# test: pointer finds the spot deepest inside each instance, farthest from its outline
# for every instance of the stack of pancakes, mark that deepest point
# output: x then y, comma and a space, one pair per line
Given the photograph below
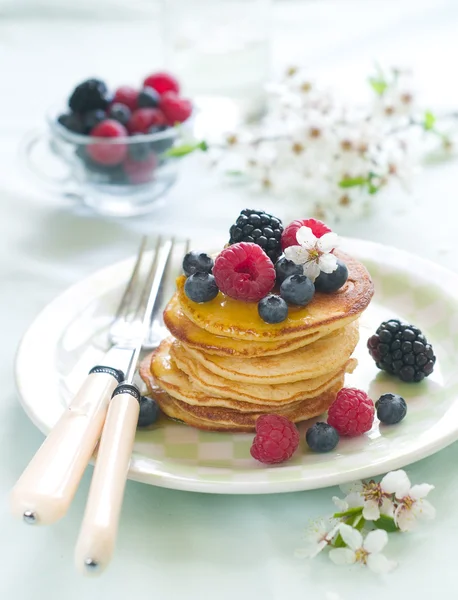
224, 366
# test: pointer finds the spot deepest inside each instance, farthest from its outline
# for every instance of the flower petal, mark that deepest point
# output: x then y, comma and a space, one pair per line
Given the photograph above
375, 541
420, 491
354, 486
354, 500
328, 242
310, 550
297, 254
404, 519
351, 536
424, 510
387, 507
341, 504
371, 511
378, 563
342, 556
311, 270
327, 263
306, 237
396, 482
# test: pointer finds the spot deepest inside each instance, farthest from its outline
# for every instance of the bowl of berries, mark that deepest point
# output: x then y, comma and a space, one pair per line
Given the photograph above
119, 148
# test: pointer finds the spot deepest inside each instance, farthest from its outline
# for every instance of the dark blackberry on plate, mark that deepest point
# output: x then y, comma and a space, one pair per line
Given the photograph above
261, 228
89, 95
402, 350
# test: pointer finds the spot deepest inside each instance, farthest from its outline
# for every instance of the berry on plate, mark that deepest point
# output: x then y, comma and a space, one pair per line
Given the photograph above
297, 289
148, 98
272, 309
402, 350
244, 271
149, 412
289, 235
331, 282
162, 82
72, 122
108, 154
126, 95
352, 412
92, 118
201, 287
175, 108
285, 268
391, 409
120, 112
321, 437
195, 262
140, 171
276, 439
89, 95
258, 227
143, 119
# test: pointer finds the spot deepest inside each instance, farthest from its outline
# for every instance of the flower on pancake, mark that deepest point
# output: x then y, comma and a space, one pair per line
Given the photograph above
366, 551
314, 254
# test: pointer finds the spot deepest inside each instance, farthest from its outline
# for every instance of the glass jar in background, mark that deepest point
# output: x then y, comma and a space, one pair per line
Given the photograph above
220, 50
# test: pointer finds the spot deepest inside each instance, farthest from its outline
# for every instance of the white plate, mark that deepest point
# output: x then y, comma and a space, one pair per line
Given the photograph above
61, 345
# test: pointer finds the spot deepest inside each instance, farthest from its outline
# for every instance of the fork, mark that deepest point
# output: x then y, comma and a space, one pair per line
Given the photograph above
45, 490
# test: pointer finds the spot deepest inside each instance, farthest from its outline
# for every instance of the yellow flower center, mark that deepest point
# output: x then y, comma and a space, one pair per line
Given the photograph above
361, 555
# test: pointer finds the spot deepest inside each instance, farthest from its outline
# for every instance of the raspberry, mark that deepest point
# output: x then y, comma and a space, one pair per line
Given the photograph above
162, 83
276, 439
143, 119
126, 95
352, 412
289, 235
140, 171
244, 271
108, 154
175, 109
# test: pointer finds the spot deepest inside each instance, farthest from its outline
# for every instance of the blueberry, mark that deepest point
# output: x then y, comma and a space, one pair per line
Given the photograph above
72, 122
195, 262
285, 268
331, 282
321, 437
93, 118
201, 287
120, 112
297, 289
391, 408
138, 151
149, 412
148, 98
272, 309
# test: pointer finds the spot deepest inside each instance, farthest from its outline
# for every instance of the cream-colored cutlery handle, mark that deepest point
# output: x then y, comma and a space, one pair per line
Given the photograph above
97, 536
46, 488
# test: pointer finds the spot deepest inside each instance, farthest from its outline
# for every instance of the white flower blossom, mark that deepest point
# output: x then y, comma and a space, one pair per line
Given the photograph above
314, 254
318, 536
412, 505
366, 551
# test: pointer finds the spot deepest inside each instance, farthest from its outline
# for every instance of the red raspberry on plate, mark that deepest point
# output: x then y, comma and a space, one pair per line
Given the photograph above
352, 412
288, 237
162, 82
276, 439
244, 271
126, 95
108, 154
140, 171
143, 119
175, 109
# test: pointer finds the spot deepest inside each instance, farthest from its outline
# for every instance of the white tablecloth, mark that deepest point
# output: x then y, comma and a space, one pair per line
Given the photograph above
181, 545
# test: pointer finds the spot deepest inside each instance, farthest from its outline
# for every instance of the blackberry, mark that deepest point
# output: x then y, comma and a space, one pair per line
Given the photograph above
402, 350
89, 95
260, 228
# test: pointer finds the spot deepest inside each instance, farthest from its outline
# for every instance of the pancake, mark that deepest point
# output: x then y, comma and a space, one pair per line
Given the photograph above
195, 337
324, 356
226, 317
226, 419
208, 383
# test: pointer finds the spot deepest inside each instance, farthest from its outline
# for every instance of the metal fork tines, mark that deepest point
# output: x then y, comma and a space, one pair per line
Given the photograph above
127, 323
